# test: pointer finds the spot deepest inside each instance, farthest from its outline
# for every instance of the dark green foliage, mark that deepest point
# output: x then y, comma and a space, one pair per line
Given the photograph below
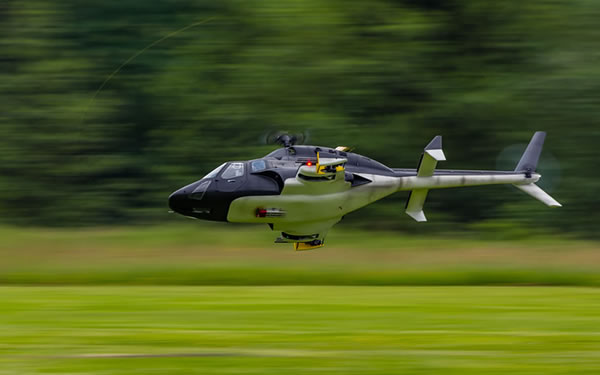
381, 76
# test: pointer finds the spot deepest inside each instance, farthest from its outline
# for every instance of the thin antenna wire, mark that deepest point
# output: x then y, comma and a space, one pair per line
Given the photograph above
136, 55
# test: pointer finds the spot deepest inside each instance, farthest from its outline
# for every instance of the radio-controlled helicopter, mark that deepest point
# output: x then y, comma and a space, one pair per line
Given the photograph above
302, 191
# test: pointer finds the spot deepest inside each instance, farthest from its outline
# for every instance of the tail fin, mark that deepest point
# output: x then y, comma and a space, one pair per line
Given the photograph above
528, 165
429, 159
529, 160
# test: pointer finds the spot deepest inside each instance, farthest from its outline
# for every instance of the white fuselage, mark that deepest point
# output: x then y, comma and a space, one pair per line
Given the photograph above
326, 204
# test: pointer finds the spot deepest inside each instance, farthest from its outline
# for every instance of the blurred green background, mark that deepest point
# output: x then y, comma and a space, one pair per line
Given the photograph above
381, 76
97, 278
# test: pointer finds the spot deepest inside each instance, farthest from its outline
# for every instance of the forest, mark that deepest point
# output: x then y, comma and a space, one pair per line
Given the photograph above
108, 107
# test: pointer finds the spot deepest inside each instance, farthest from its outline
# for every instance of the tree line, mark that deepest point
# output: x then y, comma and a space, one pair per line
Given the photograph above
381, 76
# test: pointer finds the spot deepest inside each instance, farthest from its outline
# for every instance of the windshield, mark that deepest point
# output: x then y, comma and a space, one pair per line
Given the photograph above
199, 191
215, 171
233, 170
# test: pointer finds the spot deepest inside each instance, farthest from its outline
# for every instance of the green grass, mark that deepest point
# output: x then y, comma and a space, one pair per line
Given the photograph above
221, 254
298, 330
146, 301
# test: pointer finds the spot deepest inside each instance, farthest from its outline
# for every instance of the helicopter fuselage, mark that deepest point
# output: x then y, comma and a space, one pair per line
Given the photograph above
289, 190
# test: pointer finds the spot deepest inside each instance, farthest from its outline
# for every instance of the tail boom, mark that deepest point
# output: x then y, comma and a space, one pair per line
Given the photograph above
523, 177
450, 181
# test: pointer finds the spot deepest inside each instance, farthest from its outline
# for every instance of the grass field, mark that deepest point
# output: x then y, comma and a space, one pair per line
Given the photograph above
218, 299
213, 254
299, 329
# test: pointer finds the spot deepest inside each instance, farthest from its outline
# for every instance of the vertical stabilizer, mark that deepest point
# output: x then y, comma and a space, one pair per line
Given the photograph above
528, 165
529, 160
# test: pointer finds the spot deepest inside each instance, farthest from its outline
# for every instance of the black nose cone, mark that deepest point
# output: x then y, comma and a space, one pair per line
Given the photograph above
191, 200
201, 200
177, 201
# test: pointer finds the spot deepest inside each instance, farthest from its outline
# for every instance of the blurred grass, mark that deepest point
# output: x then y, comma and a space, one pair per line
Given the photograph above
292, 329
217, 254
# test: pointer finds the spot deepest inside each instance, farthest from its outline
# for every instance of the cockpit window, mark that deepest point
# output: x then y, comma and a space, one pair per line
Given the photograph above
234, 170
258, 165
215, 171
199, 191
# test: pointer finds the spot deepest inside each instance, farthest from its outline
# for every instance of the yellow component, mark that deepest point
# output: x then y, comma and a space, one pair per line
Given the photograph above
302, 246
319, 168
343, 148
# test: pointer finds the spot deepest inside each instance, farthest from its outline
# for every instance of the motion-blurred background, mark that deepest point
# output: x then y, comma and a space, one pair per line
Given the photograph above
381, 76
106, 107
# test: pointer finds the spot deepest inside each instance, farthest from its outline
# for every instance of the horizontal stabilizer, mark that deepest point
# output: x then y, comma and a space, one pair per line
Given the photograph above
536, 192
